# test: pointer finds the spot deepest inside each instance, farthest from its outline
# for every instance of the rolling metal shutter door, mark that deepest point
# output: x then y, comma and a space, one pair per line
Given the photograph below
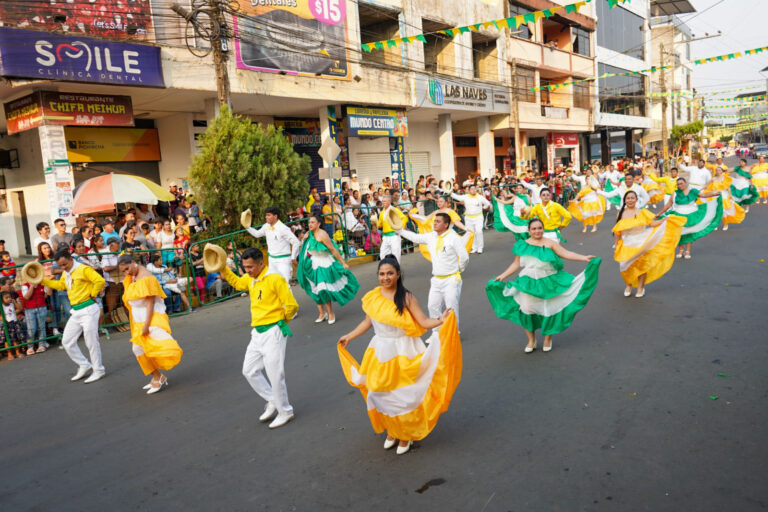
417, 164
372, 168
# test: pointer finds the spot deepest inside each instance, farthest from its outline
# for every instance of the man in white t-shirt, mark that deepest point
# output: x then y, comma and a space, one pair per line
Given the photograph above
44, 235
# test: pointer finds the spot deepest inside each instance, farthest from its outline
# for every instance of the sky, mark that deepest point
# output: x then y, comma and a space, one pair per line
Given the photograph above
744, 25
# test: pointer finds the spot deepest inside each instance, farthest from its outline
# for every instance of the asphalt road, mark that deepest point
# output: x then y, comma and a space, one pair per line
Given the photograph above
618, 416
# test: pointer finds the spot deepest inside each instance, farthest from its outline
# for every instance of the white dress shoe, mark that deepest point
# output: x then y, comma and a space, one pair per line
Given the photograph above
81, 372
331, 322
389, 443
479, 251
281, 420
528, 350
401, 450
640, 294
269, 411
546, 349
152, 389
321, 319
94, 377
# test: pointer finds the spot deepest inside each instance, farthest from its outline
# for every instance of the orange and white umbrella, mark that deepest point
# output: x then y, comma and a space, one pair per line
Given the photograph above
103, 192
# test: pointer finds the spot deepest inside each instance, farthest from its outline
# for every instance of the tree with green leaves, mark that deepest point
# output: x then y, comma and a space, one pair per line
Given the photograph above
681, 132
243, 165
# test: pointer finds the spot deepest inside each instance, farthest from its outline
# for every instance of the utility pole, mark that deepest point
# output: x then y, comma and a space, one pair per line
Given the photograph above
220, 56
664, 100
216, 34
516, 114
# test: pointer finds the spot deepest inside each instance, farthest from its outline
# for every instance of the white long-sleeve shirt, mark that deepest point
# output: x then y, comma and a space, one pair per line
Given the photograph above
535, 190
280, 239
474, 205
699, 178
642, 195
452, 256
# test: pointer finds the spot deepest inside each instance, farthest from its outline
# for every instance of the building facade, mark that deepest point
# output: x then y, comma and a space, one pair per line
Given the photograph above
90, 91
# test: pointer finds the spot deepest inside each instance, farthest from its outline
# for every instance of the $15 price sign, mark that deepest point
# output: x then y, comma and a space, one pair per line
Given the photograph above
330, 12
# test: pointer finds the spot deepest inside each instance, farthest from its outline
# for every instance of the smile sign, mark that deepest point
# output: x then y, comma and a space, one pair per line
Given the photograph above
48, 56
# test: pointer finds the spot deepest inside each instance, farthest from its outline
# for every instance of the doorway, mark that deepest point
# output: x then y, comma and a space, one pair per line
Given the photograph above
465, 166
21, 207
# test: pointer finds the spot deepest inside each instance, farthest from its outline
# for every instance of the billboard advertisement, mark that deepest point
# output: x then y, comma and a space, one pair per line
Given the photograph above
67, 109
112, 145
48, 56
294, 37
376, 122
114, 19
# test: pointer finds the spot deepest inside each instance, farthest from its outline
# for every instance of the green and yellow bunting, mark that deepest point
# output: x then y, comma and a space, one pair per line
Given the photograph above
553, 87
735, 116
512, 22
731, 56
675, 94
741, 89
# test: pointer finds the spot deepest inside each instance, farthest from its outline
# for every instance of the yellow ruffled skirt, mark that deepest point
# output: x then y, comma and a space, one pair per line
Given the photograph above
650, 252
588, 207
407, 392
161, 351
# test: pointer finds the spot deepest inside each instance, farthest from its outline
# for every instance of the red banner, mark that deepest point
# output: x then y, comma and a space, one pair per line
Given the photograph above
68, 109
562, 140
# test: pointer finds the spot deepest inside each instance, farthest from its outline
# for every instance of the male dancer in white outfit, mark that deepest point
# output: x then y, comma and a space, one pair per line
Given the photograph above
629, 184
535, 189
449, 259
614, 177
282, 245
390, 242
82, 284
699, 176
474, 205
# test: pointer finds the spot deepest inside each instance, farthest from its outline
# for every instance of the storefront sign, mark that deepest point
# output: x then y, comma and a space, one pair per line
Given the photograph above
563, 140
301, 132
112, 144
452, 94
376, 122
23, 114
333, 128
397, 159
114, 19
49, 56
274, 37
67, 109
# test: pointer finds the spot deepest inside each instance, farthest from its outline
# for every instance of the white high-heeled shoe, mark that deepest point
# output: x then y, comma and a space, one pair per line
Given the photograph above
528, 350
401, 450
163, 383
331, 322
546, 349
640, 293
321, 319
389, 443
627, 293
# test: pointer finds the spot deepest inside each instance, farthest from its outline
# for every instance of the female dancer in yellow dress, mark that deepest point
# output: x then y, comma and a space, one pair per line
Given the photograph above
588, 207
153, 345
655, 191
406, 385
645, 245
760, 179
732, 212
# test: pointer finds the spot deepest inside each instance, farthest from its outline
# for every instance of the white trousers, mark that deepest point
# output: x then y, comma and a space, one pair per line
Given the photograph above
444, 294
281, 266
390, 245
475, 225
86, 322
266, 354
179, 286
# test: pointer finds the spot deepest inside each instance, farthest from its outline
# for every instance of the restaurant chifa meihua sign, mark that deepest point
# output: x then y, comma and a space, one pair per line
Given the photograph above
49, 107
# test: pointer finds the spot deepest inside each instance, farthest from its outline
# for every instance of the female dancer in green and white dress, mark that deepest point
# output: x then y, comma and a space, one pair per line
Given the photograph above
702, 218
543, 296
322, 272
509, 213
742, 189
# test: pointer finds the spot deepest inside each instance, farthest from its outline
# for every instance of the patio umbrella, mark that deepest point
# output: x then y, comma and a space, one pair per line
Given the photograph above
101, 193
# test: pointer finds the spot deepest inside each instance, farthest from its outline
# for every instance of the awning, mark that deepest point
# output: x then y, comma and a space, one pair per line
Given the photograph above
671, 7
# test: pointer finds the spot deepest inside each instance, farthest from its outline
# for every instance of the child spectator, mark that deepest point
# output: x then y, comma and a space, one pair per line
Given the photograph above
35, 314
181, 241
7, 264
16, 334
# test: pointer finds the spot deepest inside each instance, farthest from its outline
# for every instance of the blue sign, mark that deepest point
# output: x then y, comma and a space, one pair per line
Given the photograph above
74, 58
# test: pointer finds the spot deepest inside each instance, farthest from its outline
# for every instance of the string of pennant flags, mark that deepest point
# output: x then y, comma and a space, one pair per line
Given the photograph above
735, 105
675, 94
513, 22
731, 56
735, 116
715, 93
